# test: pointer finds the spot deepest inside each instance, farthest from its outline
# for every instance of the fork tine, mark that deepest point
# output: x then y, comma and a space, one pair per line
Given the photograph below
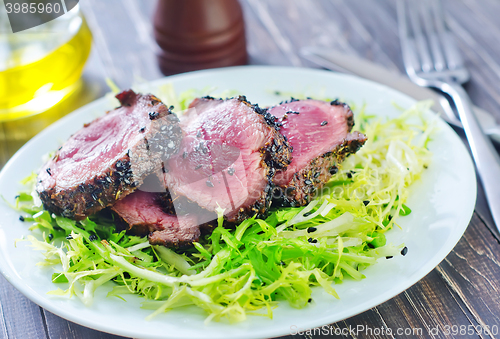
453, 57
420, 41
430, 31
410, 57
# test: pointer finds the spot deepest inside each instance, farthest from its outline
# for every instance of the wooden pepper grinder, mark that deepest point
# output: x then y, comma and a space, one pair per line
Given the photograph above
199, 34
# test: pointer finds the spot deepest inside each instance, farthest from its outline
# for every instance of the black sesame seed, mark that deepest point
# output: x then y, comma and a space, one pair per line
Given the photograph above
311, 229
389, 257
389, 217
307, 214
333, 170
142, 129
171, 108
230, 171
366, 202
92, 237
153, 115
21, 218
209, 183
48, 171
69, 237
309, 300
317, 174
282, 263
51, 236
323, 123
404, 250
307, 182
349, 175
17, 196
370, 245
293, 112
335, 102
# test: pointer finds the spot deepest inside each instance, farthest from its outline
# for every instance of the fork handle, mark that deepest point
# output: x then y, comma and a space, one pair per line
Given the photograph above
485, 155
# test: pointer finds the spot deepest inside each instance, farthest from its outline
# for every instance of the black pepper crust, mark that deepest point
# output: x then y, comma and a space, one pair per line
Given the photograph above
126, 174
336, 102
305, 184
276, 155
90, 197
349, 116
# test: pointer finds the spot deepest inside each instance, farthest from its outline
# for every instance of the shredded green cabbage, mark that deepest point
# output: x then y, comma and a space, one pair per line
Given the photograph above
247, 270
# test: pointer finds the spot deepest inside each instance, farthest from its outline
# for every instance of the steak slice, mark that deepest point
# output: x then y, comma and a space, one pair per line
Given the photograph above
143, 214
318, 131
228, 157
109, 157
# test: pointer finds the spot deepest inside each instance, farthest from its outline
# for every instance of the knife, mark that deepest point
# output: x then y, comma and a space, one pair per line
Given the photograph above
350, 64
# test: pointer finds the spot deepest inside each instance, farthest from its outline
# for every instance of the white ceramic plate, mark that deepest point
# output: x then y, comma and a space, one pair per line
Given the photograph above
442, 203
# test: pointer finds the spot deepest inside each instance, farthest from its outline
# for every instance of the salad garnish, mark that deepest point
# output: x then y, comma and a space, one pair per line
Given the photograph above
250, 269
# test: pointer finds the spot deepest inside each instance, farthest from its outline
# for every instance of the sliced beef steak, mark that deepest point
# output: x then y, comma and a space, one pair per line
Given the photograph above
109, 157
143, 214
228, 157
318, 131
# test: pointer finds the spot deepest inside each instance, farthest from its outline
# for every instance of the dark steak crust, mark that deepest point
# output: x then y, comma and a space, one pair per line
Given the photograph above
304, 185
109, 158
319, 133
228, 157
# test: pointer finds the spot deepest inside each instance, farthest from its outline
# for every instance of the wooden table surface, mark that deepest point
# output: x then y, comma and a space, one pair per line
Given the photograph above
464, 289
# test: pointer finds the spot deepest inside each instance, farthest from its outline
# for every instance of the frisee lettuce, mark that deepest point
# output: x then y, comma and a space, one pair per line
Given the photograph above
233, 273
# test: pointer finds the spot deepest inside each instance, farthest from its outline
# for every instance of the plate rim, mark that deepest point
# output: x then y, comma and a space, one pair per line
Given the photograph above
429, 266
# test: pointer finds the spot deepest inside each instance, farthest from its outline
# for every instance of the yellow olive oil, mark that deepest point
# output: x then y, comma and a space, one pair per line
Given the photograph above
28, 89
39, 85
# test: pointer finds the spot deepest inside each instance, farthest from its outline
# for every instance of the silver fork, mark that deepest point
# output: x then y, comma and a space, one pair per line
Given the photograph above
432, 59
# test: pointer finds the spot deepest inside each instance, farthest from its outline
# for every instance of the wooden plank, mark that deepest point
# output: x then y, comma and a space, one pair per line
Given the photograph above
60, 328
19, 317
464, 288
376, 28
261, 48
126, 50
261, 8
478, 30
472, 270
